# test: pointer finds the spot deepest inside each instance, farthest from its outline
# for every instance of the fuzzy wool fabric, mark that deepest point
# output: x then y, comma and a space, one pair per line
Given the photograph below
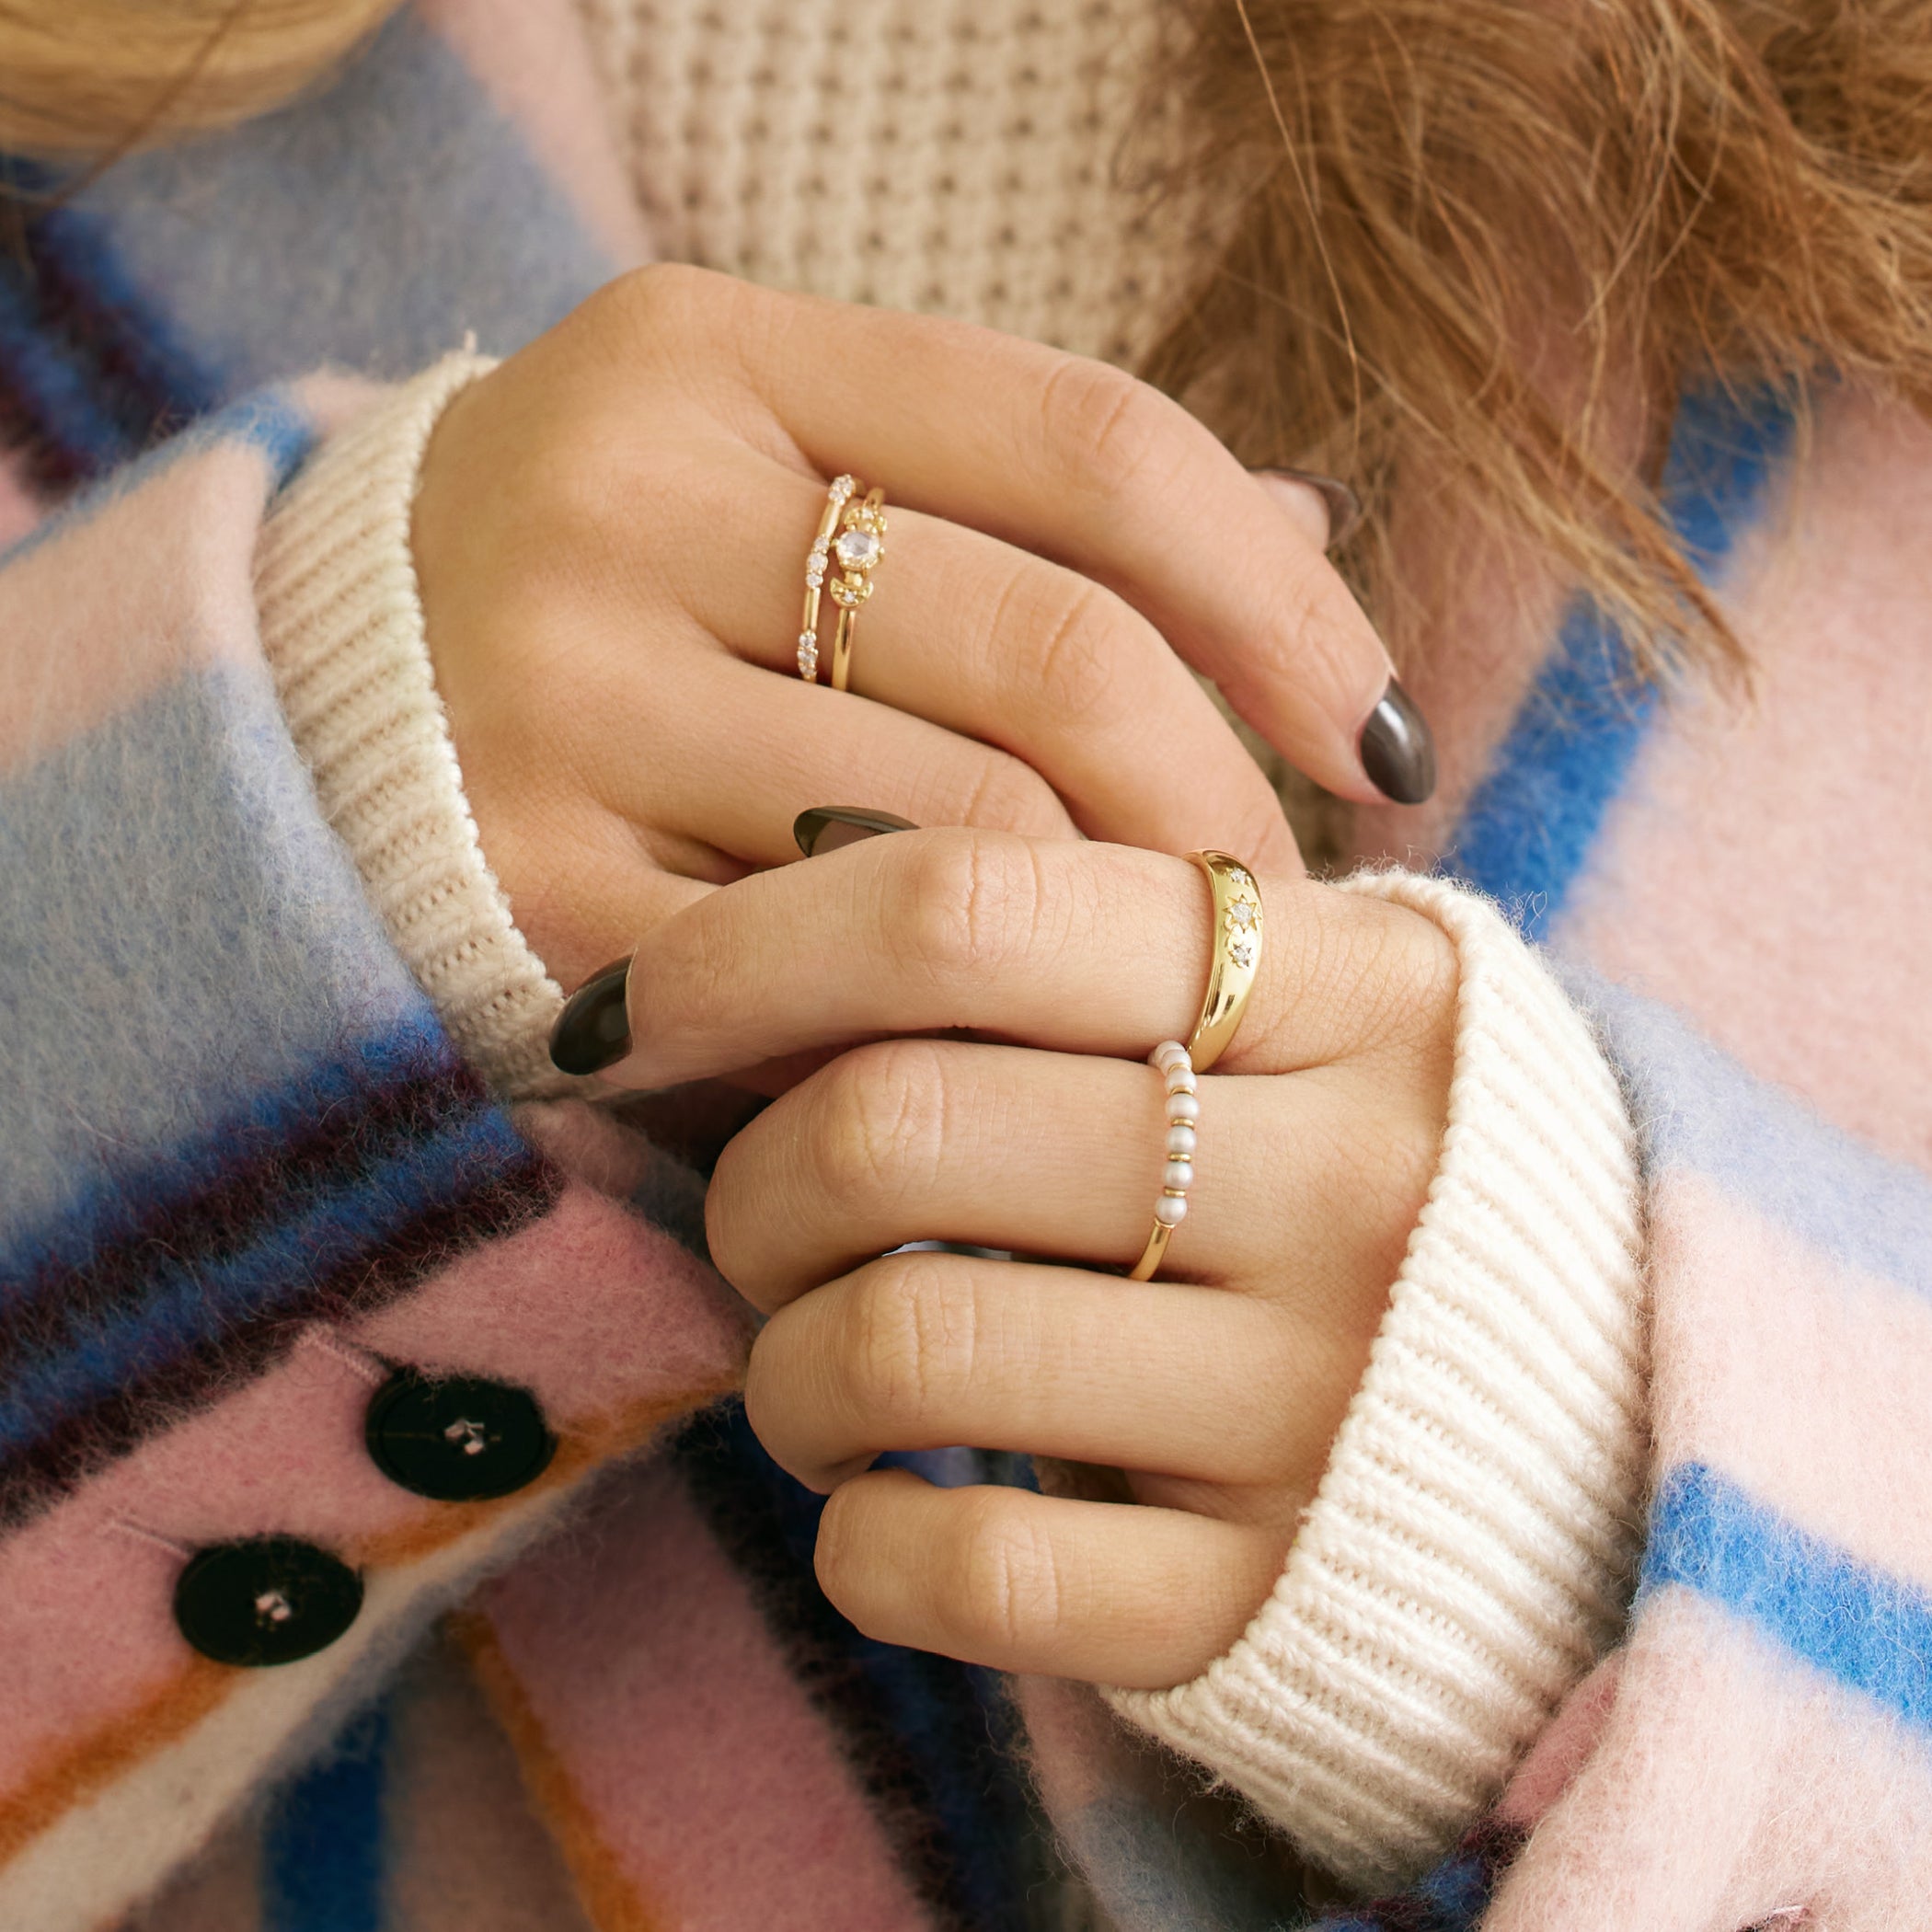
252, 1165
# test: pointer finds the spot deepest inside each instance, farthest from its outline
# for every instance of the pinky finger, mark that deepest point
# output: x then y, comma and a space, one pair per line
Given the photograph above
1114, 1593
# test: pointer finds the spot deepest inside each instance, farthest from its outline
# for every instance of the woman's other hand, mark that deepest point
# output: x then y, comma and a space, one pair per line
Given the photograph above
611, 535
1217, 1389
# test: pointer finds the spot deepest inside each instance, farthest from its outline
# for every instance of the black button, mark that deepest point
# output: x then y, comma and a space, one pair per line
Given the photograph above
461, 1440
268, 1600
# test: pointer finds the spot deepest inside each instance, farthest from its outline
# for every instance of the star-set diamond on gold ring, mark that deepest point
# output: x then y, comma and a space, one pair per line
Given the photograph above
1232, 966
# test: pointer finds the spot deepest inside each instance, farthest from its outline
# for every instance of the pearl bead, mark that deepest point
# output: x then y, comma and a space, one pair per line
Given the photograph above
1170, 1210
1178, 1174
1181, 1143
1169, 1052
1183, 1107
1180, 1080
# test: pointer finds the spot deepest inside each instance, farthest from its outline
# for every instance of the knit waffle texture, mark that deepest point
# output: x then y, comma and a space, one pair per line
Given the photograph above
1471, 1547
974, 158
342, 624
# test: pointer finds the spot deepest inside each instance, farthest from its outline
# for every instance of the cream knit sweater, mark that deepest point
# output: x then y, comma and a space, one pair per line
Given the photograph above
960, 158
1469, 1549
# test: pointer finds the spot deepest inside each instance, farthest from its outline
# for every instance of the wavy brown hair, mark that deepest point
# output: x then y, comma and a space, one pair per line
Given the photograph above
92, 78
1474, 250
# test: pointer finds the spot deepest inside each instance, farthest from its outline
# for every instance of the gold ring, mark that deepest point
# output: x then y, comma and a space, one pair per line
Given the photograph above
857, 550
1236, 957
817, 560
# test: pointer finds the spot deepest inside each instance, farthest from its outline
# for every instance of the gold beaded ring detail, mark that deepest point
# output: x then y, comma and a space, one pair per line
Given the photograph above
857, 550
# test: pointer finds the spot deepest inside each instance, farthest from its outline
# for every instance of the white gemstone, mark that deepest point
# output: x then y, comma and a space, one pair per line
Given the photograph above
1178, 1174
1171, 1210
1242, 912
857, 549
1181, 1143
1183, 1107
1242, 952
1238, 877
842, 488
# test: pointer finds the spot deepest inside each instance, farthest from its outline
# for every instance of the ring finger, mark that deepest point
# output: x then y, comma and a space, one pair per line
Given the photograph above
1062, 1154
992, 642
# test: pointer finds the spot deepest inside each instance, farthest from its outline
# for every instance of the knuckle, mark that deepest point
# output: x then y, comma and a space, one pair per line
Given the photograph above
1073, 670
1405, 973
1006, 1585
882, 1126
972, 908
1007, 795
1102, 426
913, 1339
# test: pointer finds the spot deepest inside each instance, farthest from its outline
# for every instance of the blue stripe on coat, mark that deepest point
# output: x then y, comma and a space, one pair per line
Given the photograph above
1528, 829
1698, 1109
1870, 1631
183, 1307
53, 383
269, 420
322, 1848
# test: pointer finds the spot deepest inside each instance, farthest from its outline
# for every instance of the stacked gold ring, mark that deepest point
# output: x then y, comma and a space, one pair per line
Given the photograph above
847, 548
1232, 966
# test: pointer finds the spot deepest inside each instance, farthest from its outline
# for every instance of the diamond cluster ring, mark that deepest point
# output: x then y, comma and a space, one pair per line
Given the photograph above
847, 548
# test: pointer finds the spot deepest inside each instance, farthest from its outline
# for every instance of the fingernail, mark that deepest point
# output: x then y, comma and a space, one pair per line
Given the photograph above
1398, 749
829, 828
1341, 504
594, 1029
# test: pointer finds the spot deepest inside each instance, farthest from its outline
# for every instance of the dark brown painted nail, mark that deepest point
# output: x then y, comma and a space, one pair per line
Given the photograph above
594, 1029
829, 828
1398, 749
1344, 507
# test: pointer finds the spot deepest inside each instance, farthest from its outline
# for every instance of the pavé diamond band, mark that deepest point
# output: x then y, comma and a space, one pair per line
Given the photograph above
845, 549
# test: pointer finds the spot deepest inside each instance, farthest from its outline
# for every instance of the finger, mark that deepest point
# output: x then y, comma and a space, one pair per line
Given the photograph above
1083, 948
1104, 1592
746, 752
619, 885
1076, 461
921, 1351
997, 645
1303, 1189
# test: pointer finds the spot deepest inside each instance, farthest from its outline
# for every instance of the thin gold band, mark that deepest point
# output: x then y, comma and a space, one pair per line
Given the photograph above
1232, 967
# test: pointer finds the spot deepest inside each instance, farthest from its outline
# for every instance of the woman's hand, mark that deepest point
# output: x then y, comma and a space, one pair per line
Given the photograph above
611, 535
1217, 1389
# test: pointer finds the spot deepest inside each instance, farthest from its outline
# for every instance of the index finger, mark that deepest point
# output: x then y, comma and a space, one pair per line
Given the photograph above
1080, 947
1075, 460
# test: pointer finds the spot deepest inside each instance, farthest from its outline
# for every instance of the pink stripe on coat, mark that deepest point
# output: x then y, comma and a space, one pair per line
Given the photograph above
712, 1782
1725, 886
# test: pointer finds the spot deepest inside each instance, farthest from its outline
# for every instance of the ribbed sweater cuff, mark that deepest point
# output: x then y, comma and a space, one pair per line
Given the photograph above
342, 624
1470, 1548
